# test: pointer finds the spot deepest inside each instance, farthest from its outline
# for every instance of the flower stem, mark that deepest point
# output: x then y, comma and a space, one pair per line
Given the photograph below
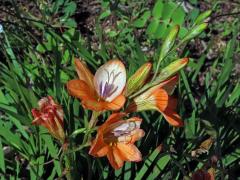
93, 120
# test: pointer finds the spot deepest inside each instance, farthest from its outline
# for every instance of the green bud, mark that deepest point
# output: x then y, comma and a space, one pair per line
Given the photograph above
195, 31
169, 42
203, 16
138, 79
171, 70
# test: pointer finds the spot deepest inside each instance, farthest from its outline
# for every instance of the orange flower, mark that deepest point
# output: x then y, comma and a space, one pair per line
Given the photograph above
157, 98
102, 91
203, 175
50, 115
115, 139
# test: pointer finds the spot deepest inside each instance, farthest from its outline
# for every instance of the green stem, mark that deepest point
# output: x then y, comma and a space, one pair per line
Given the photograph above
93, 120
79, 148
68, 166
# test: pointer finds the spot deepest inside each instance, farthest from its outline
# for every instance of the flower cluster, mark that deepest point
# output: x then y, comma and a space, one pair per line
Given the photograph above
109, 89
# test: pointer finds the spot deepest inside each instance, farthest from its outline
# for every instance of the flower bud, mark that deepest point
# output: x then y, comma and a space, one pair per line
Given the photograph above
50, 115
171, 70
195, 31
138, 79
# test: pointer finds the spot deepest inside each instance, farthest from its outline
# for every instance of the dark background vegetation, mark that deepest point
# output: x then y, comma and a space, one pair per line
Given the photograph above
38, 45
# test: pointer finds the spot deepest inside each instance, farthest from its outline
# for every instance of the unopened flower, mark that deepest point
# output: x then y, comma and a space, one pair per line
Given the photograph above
203, 174
138, 79
104, 90
115, 139
157, 98
50, 115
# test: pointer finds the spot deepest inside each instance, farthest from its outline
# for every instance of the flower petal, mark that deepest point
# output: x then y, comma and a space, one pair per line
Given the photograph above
136, 135
170, 84
116, 104
115, 158
170, 114
113, 119
98, 147
129, 152
84, 73
79, 89
93, 104
110, 80
172, 117
153, 99
120, 127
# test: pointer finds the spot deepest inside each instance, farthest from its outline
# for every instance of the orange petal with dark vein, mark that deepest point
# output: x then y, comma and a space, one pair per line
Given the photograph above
161, 99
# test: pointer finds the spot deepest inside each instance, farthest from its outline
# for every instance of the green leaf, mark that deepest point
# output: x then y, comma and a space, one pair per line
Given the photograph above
178, 16
140, 22
231, 157
40, 48
228, 65
158, 9
53, 150
70, 8
71, 23
105, 14
147, 163
2, 160
78, 131
13, 139
160, 166
161, 30
152, 27
168, 9
16, 115
190, 126
235, 95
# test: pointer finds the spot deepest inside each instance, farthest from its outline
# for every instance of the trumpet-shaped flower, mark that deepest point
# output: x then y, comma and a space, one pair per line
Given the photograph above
157, 98
115, 139
104, 90
50, 115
